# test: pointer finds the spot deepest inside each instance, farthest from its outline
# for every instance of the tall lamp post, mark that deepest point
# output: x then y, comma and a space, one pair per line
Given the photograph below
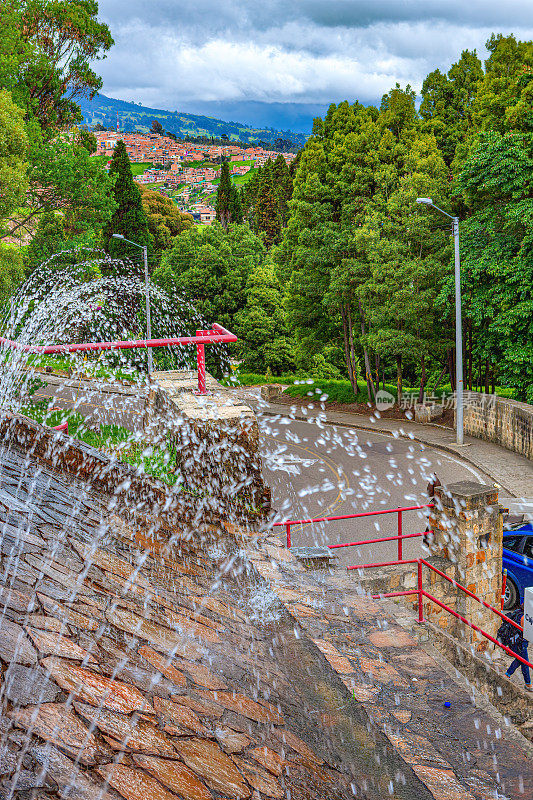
147, 291
427, 201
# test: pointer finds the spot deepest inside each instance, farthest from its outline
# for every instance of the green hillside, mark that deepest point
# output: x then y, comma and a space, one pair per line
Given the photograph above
104, 110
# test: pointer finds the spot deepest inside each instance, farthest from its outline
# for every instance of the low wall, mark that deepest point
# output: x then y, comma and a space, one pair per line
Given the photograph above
216, 440
497, 419
142, 495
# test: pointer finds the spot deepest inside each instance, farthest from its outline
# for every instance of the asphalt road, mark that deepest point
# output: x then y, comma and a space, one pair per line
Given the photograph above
318, 470
97, 407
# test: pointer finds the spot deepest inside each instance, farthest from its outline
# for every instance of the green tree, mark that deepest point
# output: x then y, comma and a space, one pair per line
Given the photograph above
235, 205
62, 176
283, 183
56, 42
497, 259
359, 266
88, 140
223, 201
261, 325
50, 238
267, 217
13, 159
165, 221
129, 218
210, 267
11, 270
509, 62
447, 102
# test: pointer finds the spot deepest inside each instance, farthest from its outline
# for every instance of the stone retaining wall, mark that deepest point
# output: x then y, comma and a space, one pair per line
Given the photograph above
216, 439
497, 419
144, 496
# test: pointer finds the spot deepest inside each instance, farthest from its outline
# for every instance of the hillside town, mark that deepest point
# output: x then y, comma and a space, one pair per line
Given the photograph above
173, 166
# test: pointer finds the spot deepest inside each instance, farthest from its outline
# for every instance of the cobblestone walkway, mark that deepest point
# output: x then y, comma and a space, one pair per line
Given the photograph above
136, 669
458, 752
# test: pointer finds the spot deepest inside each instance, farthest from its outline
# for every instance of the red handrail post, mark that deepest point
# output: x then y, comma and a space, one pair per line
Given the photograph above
288, 527
504, 584
400, 544
200, 359
420, 596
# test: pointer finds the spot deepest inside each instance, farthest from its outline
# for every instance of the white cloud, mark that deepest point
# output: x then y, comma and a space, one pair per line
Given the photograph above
169, 53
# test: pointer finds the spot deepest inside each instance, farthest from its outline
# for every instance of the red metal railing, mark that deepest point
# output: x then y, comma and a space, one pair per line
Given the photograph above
216, 334
400, 536
421, 593
420, 562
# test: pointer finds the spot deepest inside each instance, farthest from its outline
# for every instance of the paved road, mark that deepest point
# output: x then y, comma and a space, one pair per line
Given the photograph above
98, 407
327, 471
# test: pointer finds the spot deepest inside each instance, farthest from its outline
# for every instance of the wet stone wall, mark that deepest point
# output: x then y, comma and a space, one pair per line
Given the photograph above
216, 440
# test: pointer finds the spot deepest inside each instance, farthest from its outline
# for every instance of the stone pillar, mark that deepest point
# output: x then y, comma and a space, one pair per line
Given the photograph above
467, 546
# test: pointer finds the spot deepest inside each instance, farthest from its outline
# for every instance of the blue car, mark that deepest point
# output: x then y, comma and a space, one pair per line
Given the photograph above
518, 561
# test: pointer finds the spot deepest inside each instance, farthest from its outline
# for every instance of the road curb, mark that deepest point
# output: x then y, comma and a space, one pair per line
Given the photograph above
413, 438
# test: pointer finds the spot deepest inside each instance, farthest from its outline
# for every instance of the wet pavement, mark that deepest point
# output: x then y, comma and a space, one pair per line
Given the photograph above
136, 669
459, 750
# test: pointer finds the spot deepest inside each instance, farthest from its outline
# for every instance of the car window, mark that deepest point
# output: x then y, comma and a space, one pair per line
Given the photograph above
528, 549
513, 543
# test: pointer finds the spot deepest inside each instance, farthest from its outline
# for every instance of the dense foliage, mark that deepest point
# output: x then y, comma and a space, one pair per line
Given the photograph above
328, 268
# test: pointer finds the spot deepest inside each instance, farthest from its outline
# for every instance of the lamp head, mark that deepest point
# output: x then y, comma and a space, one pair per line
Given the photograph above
426, 201
118, 236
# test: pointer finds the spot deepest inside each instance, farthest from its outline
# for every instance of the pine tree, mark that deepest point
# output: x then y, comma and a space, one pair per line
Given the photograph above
129, 218
223, 202
447, 102
268, 218
283, 183
235, 205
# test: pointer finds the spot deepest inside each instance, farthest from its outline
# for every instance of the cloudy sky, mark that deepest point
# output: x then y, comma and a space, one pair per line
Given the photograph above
281, 62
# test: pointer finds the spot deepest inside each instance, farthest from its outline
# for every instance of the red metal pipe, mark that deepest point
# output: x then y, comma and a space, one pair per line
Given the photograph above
208, 338
352, 516
200, 360
384, 564
288, 526
371, 541
400, 548
420, 601
217, 334
394, 594
504, 584
476, 628
471, 594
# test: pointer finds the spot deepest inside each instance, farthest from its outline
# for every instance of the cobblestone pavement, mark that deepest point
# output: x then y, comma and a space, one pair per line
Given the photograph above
158, 669
459, 751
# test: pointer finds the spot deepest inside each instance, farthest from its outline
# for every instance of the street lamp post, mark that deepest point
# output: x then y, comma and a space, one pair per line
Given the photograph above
147, 292
427, 201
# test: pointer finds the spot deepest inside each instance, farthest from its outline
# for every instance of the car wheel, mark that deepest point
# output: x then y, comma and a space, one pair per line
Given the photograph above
511, 596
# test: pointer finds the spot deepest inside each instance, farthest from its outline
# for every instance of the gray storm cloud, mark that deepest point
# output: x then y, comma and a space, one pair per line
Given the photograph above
178, 53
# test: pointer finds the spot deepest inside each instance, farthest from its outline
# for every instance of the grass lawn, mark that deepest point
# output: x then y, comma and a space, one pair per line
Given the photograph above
93, 367
339, 391
158, 461
139, 168
238, 180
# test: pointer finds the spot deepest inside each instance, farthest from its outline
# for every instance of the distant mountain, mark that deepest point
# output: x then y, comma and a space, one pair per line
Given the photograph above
133, 116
